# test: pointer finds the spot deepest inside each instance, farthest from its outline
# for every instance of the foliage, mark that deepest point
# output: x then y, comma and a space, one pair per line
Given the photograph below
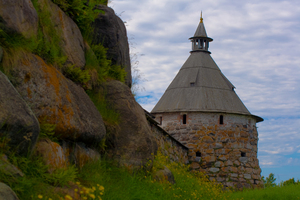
83, 12
47, 130
110, 115
290, 181
48, 39
103, 66
137, 76
269, 181
77, 75
270, 193
14, 47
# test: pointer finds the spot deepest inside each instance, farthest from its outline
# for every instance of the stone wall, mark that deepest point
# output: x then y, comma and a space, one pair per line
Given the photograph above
226, 152
168, 145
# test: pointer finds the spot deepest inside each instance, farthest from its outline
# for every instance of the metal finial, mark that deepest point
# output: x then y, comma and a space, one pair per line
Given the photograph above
201, 19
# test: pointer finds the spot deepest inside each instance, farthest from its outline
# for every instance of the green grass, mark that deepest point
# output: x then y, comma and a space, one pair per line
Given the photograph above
289, 192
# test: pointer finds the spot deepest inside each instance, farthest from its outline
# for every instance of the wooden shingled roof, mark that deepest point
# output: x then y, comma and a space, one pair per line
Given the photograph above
201, 86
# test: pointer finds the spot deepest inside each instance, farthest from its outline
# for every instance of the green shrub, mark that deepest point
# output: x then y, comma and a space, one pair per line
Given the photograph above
76, 74
269, 181
83, 12
49, 40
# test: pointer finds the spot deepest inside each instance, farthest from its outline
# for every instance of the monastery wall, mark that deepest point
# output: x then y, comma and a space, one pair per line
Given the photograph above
226, 152
168, 145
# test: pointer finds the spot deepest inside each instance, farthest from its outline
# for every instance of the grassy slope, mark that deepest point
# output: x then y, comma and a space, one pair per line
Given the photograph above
289, 192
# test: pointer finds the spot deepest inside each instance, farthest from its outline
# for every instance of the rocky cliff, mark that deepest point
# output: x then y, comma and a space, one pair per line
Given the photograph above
59, 71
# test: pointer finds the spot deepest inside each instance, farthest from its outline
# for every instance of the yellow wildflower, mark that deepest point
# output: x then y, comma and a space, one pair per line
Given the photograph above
92, 196
68, 197
40, 196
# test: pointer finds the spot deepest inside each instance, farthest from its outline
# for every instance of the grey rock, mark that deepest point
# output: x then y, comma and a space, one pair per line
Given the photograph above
133, 143
247, 176
110, 31
70, 35
9, 169
198, 159
214, 169
163, 175
19, 16
6, 193
17, 121
57, 100
234, 175
218, 164
243, 159
1, 54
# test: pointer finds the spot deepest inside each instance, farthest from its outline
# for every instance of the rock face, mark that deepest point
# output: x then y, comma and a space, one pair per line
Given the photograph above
164, 175
71, 38
9, 169
52, 154
17, 121
6, 193
19, 16
133, 142
58, 156
57, 100
110, 31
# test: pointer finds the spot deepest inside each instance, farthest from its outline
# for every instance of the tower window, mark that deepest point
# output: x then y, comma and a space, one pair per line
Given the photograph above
243, 154
184, 119
192, 84
160, 120
198, 154
221, 119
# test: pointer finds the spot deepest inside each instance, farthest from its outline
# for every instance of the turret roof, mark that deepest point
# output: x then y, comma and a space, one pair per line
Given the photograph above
201, 86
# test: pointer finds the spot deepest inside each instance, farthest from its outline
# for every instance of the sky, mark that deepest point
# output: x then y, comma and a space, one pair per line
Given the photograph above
257, 47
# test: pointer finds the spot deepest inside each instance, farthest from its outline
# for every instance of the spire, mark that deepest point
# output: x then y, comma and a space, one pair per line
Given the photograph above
200, 40
201, 19
200, 32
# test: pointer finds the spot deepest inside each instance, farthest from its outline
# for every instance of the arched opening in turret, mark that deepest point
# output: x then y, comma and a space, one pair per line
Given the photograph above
201, 44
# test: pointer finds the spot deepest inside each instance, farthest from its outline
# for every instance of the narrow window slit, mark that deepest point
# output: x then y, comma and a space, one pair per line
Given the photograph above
243, 154
221, 119
184, 119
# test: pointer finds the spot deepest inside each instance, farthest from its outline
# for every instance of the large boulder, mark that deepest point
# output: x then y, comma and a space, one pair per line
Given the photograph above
19, 16
55, 99
17, 121
6, 193
133, 144
52, 154
110, 31
71, 39
164, 175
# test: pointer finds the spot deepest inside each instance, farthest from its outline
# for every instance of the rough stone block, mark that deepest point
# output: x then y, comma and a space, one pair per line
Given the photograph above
219, 164
228, 163
209, 158
243, 159
247, 176
214, 170
223, 157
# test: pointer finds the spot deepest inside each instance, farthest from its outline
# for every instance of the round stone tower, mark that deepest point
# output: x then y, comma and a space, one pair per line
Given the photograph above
201, 110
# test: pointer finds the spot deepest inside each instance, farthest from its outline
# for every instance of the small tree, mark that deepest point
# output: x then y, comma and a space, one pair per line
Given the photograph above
269, 181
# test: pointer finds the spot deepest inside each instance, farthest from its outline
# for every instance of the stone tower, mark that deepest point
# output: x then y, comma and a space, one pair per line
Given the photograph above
202, 111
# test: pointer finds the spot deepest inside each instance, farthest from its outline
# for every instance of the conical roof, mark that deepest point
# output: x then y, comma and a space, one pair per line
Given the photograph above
201, 86
200, 31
